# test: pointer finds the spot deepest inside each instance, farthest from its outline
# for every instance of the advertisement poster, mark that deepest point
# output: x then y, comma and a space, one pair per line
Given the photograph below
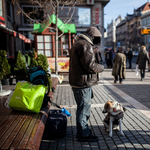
63, 64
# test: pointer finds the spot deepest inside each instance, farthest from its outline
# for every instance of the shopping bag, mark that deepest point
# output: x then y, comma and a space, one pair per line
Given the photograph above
137, 72
27, 97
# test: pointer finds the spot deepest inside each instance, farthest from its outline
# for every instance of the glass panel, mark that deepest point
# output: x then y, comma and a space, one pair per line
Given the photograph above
59, 52
65, 45
40, 45
65, 38
39, 38
48, 45
59, 39
48, 53
48, 38
59, 45
41, 52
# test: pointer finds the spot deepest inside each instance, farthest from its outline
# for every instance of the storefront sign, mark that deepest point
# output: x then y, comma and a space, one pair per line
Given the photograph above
15, 34
62, 65
27, 40
2, 21
22, 37
97, 16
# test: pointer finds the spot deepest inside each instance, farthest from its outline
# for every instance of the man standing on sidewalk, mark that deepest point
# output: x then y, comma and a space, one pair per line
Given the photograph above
83, 73
130, 56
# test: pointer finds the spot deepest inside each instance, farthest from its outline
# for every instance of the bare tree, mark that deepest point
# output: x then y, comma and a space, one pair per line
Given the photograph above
49, 7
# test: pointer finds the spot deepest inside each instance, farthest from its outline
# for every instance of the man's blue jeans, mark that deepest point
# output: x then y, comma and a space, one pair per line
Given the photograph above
83, 99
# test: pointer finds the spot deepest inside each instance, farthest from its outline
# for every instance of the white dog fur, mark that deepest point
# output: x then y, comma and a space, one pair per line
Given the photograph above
115, 113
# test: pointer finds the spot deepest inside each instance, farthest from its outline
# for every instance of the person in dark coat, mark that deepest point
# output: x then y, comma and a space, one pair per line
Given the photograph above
83, 74
130, 56
113, 54
119, 67
141, 61
98, 56
108, 58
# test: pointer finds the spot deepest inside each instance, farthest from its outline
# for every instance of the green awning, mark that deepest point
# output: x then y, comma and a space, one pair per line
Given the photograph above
38, 28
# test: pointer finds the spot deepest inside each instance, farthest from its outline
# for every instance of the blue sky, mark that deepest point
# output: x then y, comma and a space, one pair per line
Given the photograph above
120, 7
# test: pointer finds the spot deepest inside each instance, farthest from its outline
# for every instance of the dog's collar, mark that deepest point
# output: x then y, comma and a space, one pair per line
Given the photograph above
114, 109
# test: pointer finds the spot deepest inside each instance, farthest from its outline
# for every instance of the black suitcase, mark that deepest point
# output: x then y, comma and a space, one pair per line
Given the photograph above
56, 125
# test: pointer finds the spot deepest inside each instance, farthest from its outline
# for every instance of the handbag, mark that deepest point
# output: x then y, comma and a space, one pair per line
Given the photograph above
27, 97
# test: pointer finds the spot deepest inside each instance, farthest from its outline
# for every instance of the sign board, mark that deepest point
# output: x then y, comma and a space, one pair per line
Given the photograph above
97, 16
145, 31
62, 65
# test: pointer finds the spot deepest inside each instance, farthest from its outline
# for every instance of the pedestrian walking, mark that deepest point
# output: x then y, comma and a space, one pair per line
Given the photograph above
124, 51
83, 74
98, 56
108, 58
141, 61
119, 67
113, 54
130, 56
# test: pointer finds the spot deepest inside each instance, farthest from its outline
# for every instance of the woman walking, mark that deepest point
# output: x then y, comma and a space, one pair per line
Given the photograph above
141, 61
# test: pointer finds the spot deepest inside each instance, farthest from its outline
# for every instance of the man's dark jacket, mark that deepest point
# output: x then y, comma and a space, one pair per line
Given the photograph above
130, 55
83, 69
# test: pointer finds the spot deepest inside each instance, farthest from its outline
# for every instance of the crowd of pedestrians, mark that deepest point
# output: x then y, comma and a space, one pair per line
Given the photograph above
117, 60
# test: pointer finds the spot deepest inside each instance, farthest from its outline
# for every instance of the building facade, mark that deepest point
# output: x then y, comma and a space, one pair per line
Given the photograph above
21, 27
133, 23
111, 32
121, 30
145, 24
128, 31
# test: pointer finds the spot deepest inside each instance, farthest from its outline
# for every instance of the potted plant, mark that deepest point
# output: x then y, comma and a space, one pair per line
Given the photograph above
4, 68
33, 60
20, 67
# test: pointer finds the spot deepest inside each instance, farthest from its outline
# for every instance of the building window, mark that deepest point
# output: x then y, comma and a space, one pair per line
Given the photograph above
44, 45
35, 12
63, 46
9, 11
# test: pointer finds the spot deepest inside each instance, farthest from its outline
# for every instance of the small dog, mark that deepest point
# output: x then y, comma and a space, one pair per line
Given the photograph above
114, 117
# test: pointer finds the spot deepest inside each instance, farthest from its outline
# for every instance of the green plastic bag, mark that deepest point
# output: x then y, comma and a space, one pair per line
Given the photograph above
27, 97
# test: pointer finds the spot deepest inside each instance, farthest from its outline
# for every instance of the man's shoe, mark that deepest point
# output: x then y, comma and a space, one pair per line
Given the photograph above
89, 138
141, 79
79, 136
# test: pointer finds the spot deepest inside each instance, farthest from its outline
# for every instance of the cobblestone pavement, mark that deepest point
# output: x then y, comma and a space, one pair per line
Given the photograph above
136, 122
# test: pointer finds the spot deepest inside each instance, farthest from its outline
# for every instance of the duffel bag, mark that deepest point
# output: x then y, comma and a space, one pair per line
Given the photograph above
27, 97
56, 124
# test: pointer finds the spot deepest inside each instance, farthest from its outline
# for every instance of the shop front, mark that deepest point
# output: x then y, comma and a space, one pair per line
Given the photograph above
45, 42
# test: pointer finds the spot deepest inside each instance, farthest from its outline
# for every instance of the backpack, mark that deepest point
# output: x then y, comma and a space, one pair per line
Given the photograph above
56, 125
38, 76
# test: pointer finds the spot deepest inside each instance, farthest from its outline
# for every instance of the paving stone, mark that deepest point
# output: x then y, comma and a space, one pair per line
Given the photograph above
135, 124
